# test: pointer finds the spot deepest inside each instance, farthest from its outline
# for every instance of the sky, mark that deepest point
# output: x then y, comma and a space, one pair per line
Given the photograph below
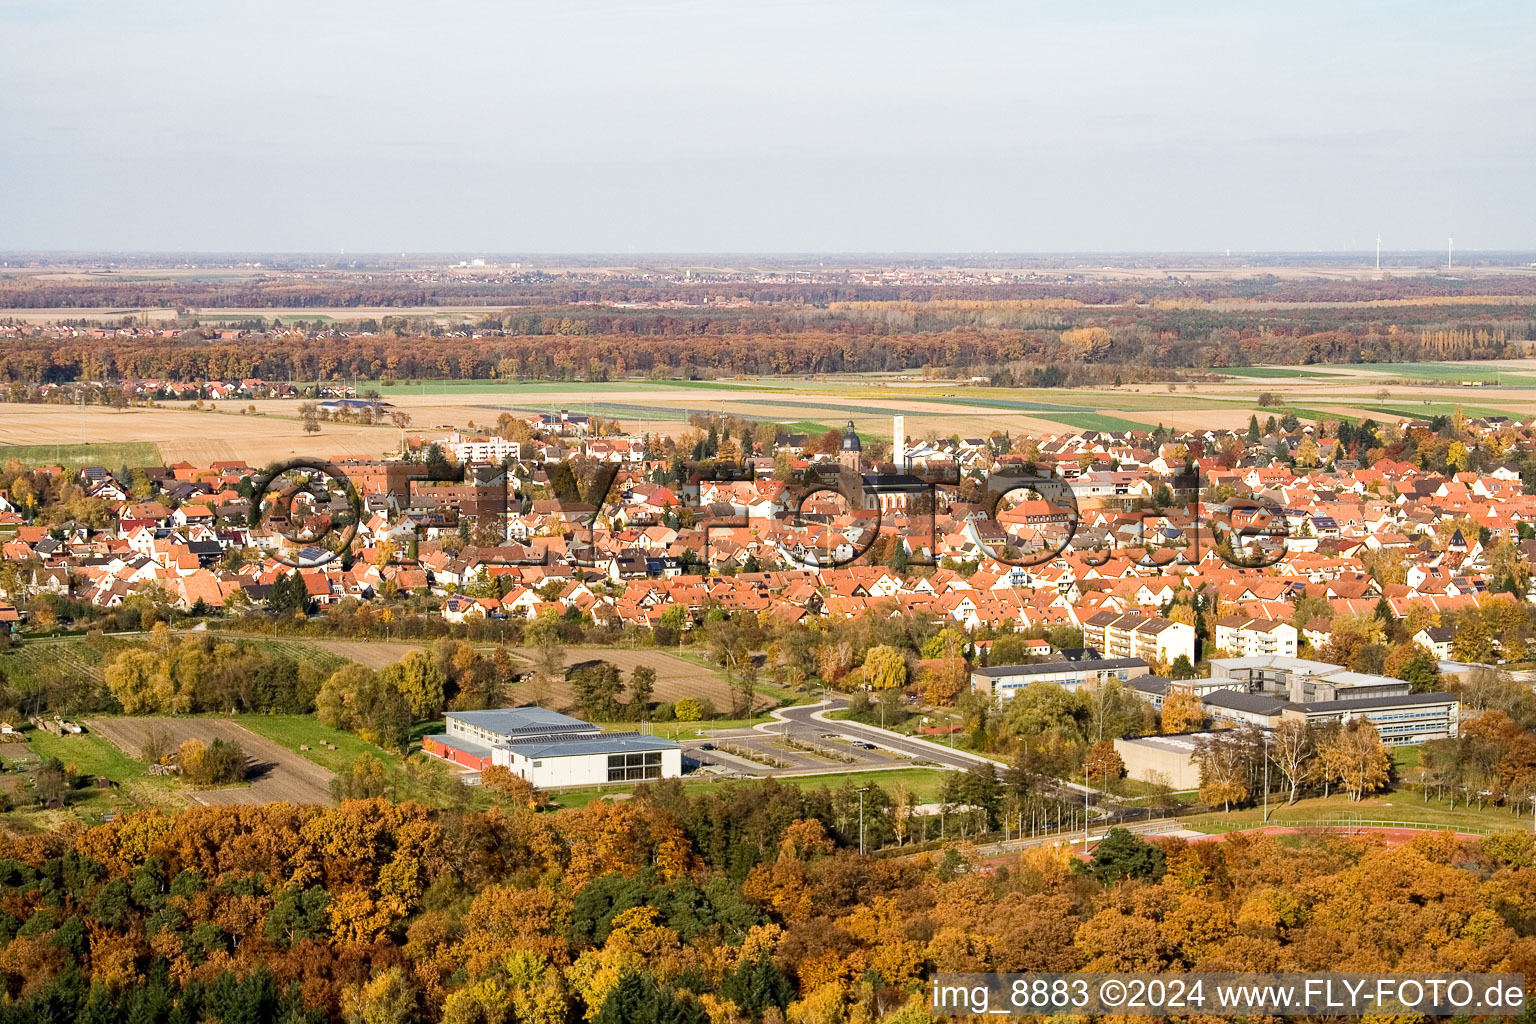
602, 126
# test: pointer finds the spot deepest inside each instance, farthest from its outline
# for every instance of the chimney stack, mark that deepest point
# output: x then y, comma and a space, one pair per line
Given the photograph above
899, 446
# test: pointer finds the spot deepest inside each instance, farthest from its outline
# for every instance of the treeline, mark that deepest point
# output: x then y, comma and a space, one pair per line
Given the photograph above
1121, 352
404, 289
745, 904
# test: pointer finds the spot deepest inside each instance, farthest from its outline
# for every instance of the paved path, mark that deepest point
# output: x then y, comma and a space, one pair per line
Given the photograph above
813, 716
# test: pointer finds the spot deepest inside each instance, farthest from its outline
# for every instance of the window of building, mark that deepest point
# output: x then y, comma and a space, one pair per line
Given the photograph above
636, 767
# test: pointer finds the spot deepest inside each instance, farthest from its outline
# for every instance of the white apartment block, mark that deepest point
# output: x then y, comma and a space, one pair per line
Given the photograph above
1244, 637
467, 449
1133, 635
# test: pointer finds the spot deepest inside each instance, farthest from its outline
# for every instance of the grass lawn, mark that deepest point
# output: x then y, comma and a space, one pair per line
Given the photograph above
1400, 805
90, 755
114, 455
923, 783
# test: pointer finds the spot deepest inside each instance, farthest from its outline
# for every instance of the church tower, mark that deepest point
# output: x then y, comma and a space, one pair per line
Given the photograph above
852, 455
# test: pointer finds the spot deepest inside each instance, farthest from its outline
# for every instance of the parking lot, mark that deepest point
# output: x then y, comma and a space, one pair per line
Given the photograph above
790, 748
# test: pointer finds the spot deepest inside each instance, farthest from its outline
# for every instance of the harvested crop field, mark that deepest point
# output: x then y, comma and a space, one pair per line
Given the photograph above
372, 654
676, 677
199, 437
275, 773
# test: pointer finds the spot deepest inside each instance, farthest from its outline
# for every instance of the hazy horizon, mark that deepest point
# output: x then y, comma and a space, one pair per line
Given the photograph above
681, 128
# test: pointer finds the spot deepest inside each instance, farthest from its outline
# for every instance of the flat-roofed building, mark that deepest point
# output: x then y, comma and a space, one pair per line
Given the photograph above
1232, 707
1409, 718
467, 449
1162, 760
1301, 680
550, 749
1003, 681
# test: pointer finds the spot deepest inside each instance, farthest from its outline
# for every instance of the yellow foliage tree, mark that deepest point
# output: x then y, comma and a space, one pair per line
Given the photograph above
1182, 711
885, 668
386, 998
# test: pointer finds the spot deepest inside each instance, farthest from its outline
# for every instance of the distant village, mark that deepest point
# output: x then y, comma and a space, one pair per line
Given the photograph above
1360, 537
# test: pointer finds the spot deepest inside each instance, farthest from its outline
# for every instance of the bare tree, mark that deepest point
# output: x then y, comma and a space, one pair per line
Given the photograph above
1293, 744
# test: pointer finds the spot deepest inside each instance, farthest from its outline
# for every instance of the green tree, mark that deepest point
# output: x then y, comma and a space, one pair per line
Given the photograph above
638, 1000
597, 689
297, 914
642, 685
1124, 855
756, 985
289, 594
418, 679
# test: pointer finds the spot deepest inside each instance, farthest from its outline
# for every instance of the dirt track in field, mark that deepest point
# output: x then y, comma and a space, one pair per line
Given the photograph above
275, 773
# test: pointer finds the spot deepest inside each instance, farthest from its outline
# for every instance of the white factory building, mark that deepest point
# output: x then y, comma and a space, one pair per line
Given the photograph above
552, 750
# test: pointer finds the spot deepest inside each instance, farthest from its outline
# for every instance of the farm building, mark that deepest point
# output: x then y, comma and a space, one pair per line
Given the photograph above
550, 749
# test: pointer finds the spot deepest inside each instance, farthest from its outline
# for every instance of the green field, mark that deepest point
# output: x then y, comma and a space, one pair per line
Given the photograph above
1412, 371
1426, 410
114, 455
1268, 372
1097, 421
1436, 371
923, 783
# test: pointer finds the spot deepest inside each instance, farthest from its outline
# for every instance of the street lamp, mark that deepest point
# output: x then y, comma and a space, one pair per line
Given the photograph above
1266, 778
862, 791
1087, 790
